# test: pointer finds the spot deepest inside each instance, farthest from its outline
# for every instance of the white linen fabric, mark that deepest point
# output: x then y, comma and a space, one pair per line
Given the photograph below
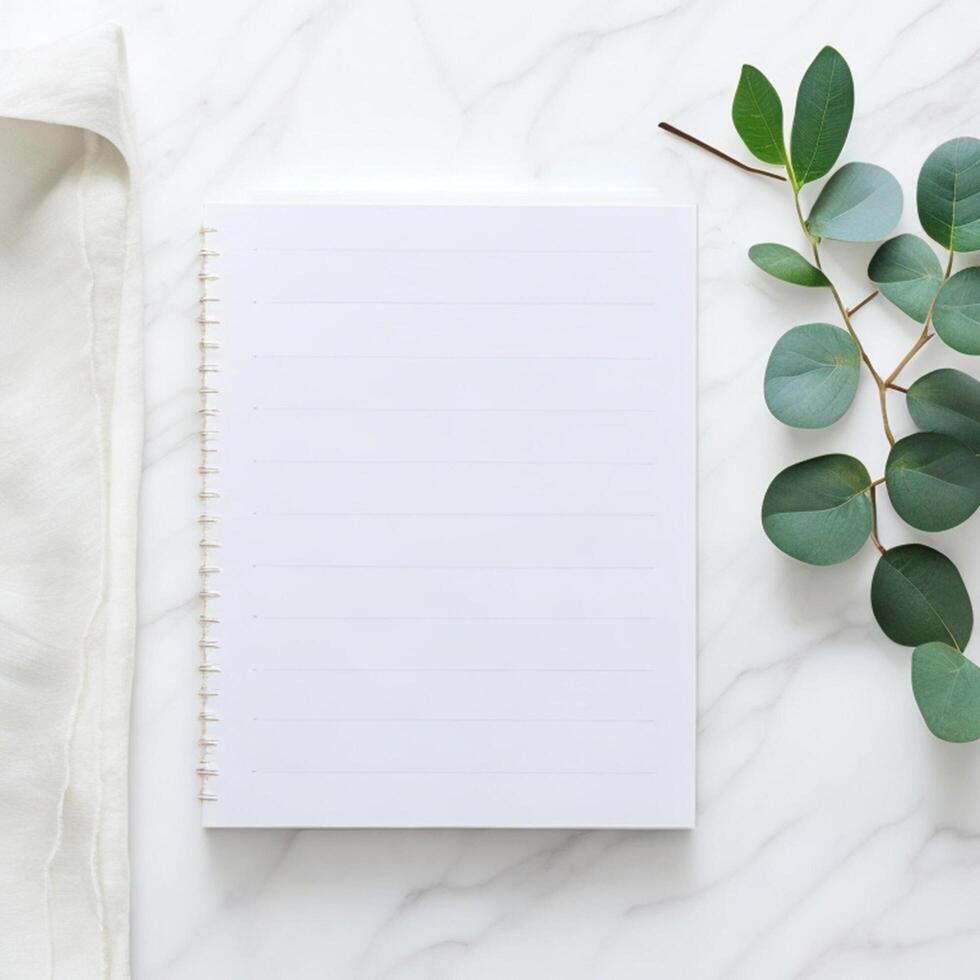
70, 446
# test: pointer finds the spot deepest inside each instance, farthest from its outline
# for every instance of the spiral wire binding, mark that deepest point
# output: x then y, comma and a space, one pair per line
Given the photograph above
208, 520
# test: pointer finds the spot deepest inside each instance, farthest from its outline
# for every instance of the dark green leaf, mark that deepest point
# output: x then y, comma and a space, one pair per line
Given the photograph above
947, 690
933, 481
824, 107
947, 401
818, 511
758, 116
787, 264
918, 596
812, 375
949, 195
860, 203
908, 273
956, 316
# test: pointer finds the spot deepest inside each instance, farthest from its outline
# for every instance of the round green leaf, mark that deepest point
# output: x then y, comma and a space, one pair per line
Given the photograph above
906, 271
917, 596
787, 264
933, 481
956, 316
947, 401
824, 107
812, 375
758, 116
860, 203
949, 195
947, 690
818, 511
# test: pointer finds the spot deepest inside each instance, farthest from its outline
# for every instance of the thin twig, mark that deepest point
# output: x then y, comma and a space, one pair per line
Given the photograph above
867, 299
883, 404
895, 387
874, 517
718, 153
925, 336
923, 339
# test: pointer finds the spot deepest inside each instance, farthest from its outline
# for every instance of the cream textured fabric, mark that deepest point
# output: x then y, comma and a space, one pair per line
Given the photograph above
70, 442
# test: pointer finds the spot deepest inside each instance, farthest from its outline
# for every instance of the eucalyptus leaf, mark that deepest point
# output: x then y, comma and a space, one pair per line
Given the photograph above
918, 596
819, 511
947, 401
947, 690
824, 107
956, 316
787, 264
933, 481
812, 375
862, 202
906, 271
758, 116
948, 194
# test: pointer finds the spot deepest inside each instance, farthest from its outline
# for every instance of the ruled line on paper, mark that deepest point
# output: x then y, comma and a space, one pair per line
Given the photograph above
456, 670
448, 302
449, 514
375, 250
461, 619
337, 719
347, 566
454, 411
454, 772
462, 462
451, 357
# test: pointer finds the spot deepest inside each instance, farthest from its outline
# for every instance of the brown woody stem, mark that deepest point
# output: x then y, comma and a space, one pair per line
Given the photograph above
846, 317
874, 517
718, 153
924, 337
867, 299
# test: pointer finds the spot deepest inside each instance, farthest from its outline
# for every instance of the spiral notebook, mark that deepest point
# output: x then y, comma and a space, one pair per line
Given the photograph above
449, 464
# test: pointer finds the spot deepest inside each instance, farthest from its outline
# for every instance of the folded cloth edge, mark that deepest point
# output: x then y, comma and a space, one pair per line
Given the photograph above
81, 82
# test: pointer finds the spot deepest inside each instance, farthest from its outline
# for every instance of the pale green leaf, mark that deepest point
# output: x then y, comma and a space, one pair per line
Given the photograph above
948, 194
860, 203
947, 690
812, 375
906, 271
956, 316
819, 511
947, 401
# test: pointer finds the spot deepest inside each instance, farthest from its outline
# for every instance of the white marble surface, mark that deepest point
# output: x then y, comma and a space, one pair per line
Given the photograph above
836, 838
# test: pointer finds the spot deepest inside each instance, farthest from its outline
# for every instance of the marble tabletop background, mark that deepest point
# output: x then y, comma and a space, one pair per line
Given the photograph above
836, 838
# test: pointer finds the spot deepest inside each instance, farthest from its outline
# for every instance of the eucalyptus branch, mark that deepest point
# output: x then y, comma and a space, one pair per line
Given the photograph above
825, 509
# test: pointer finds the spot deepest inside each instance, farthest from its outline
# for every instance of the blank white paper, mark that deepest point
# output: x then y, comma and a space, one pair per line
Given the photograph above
458, 463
